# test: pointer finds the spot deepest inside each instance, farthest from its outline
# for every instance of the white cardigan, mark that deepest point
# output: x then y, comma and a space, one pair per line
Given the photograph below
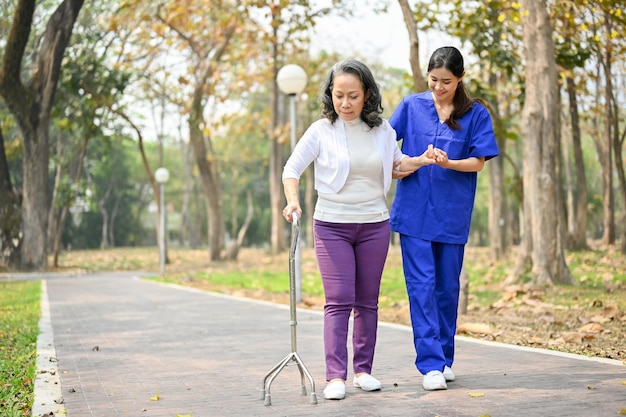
326, 144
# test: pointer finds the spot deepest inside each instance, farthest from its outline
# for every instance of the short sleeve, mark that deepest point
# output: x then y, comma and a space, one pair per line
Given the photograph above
483, 139
398, 120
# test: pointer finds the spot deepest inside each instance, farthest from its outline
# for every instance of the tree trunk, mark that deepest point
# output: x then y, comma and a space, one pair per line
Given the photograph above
114, 211
59, 210
104, 232
10, 214
35, 197
56, 244
209, 176
603, 149
278, 240
613, 134
540, 148
31, 105
497, 206
578, 229
196, 222
497, 193
414, 54
186, 225
54, 216
233, 250
618, 146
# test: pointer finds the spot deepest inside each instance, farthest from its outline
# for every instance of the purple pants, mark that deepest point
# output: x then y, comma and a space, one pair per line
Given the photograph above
351, 258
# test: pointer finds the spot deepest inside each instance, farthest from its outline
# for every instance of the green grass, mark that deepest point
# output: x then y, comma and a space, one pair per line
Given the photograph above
19, 316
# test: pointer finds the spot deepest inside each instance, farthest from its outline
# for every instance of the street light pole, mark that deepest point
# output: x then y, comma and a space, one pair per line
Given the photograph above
291, 80
161, 176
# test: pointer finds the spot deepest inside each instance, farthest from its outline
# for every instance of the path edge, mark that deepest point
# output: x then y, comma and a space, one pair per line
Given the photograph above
48, 398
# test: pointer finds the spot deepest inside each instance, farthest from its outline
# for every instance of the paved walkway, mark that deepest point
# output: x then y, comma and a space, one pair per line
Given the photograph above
112, 344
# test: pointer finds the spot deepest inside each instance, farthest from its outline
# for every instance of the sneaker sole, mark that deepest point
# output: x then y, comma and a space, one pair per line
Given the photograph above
435, 388
367, 389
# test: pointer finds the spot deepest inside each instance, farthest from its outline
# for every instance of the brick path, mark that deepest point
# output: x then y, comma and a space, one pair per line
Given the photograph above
116, 341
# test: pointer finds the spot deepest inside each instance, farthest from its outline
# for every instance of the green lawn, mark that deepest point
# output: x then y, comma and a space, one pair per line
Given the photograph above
19, 317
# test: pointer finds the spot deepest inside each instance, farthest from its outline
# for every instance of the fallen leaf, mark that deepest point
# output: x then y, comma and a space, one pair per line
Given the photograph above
509, 295
476, 394
536, 341
611, 311
183, 415
572, 337
157, 397
480, 328
591, 328
621, 411
600, 319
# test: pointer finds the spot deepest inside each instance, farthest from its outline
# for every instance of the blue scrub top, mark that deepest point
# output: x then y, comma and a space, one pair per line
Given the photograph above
436, 203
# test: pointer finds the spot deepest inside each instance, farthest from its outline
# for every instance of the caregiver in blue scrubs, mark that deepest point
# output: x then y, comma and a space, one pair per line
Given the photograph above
432, 209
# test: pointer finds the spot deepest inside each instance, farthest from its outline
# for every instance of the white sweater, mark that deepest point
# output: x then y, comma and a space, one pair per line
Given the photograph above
325, 144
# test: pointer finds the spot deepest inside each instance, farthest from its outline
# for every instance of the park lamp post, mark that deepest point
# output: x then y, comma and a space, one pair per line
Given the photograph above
291, 80
161, 176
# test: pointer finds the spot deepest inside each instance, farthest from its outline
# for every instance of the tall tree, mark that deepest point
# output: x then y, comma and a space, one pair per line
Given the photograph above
31, 104
542, 243
10, 219
414, 54
571, 56
195, 53
613, 22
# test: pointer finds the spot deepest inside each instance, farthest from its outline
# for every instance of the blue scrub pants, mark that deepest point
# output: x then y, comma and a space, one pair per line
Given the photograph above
432, 271
351, 258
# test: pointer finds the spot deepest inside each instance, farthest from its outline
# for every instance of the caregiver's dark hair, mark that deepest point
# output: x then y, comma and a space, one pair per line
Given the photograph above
450, 58
372, 108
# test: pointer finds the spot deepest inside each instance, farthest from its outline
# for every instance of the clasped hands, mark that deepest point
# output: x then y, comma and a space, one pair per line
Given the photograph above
407, 166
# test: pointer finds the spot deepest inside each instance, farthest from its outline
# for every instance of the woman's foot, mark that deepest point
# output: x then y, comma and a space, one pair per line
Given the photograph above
335, 390
366, 382
448, 374
434, 380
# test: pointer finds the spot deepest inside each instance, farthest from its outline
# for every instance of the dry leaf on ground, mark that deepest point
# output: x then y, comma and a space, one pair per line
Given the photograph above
478, 328
591, 328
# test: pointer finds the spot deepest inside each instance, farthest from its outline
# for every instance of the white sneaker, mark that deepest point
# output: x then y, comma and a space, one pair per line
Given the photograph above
448, 374
434, 380
335, 391
367, 383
